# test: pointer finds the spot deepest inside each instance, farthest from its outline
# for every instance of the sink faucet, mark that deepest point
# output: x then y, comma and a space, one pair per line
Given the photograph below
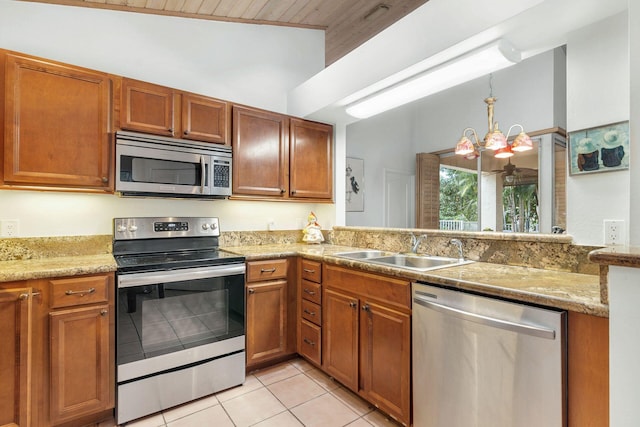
458, 244
415, 242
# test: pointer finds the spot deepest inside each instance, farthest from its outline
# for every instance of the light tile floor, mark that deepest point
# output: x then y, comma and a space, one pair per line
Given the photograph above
290, 394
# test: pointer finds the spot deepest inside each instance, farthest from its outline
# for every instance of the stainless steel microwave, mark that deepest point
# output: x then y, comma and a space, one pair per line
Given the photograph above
156, 166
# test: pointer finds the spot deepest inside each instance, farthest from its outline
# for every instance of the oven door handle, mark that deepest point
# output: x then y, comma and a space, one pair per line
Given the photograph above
157, 277
203, 173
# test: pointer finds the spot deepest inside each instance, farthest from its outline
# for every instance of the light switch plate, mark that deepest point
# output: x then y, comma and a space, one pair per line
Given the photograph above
613, 232
9, 227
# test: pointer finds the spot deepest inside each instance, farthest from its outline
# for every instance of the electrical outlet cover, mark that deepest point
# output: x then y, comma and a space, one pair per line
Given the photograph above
614, 232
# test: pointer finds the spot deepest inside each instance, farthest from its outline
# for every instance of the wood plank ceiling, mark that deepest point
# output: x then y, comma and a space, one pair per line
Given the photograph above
347, 23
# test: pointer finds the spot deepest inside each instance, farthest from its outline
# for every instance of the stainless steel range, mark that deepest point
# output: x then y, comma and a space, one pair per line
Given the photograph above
181, 313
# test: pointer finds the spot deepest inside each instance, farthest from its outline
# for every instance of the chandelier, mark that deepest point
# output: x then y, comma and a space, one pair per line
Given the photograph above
494, 139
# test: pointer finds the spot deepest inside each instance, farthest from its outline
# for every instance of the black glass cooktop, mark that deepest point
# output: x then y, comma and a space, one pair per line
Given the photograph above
175, 260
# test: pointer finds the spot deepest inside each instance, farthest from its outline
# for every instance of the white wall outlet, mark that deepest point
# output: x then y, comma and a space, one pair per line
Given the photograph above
271, 225
9, 227
613, 232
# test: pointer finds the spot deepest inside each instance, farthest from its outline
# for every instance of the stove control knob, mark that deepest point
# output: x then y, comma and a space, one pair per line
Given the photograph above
121, 228
133, 228
214, 225
205, 226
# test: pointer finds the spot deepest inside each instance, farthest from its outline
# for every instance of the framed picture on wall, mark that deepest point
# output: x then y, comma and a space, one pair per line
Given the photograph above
354, 185
599, 149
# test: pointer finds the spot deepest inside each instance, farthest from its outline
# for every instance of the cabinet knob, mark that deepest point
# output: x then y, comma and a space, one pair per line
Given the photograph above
170, 130
366, 307
293, 191
23, 297
186, 132
105, 179
252, 291
282, 191
353, 304
103, 312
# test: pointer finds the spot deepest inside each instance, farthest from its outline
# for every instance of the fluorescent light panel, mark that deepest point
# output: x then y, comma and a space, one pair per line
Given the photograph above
479, 62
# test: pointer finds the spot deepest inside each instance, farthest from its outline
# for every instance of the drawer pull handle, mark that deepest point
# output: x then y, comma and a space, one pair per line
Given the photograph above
81, 293
267, 270
306, 270
308, 341
307, 291
310, 313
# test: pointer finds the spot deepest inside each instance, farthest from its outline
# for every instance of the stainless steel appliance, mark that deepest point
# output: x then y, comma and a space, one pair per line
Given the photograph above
148, 165
481, 361
181, 313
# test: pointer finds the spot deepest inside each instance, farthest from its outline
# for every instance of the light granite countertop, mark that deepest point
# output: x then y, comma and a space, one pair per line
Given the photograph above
619, 256
40, 268
569, 291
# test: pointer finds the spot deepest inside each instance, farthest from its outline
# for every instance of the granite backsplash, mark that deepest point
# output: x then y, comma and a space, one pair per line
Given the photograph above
544, 251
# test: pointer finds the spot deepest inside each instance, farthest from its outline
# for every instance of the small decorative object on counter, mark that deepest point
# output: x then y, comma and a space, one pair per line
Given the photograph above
312, 233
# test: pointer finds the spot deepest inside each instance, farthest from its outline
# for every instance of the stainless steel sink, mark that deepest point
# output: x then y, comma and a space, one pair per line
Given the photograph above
408, 261
416, 261
364, 254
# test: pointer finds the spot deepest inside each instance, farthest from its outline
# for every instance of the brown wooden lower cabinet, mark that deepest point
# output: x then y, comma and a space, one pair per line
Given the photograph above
588, 370
57, 358
271, 311
266, 320
79, 362
366, 333
15, 355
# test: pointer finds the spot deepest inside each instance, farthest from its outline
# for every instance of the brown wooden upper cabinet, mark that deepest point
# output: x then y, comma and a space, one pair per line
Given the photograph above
278, 157
161, 110
56, 124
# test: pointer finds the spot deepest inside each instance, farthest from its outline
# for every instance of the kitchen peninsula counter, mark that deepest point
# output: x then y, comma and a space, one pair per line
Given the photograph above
569, 291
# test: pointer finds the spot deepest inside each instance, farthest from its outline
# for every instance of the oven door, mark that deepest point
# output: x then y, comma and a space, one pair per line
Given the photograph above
149, 169
170, 319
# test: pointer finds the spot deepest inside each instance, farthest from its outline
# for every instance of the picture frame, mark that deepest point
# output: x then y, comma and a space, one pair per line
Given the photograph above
354, 186
599, 149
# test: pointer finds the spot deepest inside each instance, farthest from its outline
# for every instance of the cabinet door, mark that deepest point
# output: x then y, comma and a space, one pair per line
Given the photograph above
57, 130
204, 119
385, 359
147, 108
340, 337
15, 357
80, 371
266, 320
311, 161
260, 153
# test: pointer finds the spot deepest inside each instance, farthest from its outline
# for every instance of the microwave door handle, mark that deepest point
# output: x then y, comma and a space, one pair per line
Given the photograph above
203, 173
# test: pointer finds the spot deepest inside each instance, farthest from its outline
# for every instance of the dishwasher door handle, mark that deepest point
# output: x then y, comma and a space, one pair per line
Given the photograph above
536, 331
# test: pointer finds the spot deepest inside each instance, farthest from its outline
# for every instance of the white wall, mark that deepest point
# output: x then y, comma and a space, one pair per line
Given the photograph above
251, 64
525, 95
597, 94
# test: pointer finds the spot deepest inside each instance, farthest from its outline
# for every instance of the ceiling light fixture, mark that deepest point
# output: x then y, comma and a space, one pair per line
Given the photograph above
479, 62
376, 11
494, 139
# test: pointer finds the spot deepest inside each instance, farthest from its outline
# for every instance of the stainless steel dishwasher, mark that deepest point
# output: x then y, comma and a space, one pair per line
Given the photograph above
484, 362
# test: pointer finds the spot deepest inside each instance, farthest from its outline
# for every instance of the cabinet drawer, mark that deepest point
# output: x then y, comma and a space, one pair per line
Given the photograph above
311, 291
312, 312
266, 270
310, 341
312, 271
79, 291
